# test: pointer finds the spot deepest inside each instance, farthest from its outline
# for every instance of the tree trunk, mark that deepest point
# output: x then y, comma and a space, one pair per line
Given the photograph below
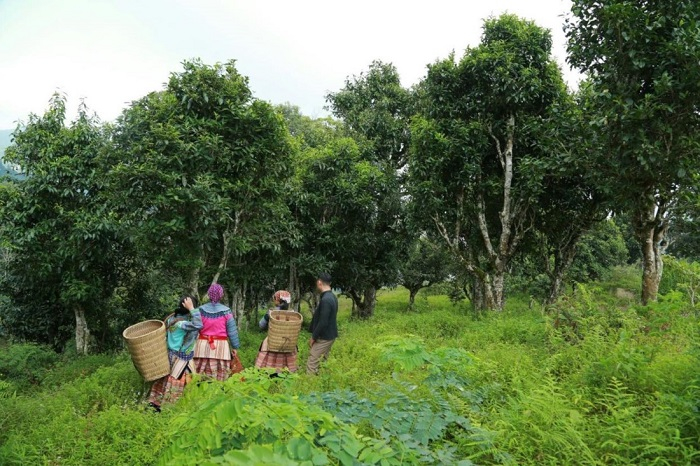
498, 291
294, 287
311, 299
82, 333
555, 286
476, 297
238, 300
365, 304
562, 261
193, 284
652, 266
651, 229
488, 293
412, 297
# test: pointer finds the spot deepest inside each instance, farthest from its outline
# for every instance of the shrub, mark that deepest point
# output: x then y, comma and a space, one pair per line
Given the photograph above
240, 422
681, 275
25, 365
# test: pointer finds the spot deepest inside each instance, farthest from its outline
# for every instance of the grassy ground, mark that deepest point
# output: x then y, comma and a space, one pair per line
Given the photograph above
595, 379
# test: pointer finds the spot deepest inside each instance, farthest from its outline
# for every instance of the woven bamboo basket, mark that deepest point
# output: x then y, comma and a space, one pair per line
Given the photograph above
148, 349
283, 332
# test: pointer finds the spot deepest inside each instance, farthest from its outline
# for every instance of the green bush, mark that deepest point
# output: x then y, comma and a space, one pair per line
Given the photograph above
240, 420
26, 365
683, 276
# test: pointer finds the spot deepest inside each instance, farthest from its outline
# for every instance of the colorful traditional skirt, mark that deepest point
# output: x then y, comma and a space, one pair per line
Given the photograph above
169, 389
218, 369
277, 361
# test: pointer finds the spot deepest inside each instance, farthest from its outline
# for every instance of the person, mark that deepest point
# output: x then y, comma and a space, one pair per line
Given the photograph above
281, 300
272, 359
182, 330
324, 325
215, 352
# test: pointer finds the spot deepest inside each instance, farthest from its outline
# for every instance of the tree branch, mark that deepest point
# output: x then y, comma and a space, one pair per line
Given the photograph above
506, 214
483, 227
498, 146
228, 234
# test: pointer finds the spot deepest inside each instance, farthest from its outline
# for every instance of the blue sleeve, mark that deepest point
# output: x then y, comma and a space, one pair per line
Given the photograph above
195, 323
232, 332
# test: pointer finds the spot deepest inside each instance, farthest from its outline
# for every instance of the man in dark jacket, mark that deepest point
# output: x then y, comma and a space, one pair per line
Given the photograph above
324, 325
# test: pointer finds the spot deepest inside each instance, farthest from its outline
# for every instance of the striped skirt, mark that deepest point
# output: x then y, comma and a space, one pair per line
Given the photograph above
168, 389
219, 369
277, 361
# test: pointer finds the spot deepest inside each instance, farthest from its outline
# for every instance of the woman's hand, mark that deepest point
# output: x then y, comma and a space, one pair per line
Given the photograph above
188, 304
234, 352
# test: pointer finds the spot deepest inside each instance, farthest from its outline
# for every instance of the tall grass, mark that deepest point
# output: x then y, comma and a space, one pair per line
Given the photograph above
593, 379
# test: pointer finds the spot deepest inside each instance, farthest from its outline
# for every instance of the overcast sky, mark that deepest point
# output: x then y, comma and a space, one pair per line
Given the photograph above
111, 52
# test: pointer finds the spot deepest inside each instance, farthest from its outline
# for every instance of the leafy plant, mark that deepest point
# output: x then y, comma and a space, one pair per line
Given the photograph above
242, 419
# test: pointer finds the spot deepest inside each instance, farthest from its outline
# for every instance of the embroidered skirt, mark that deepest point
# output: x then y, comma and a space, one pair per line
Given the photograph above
277, 361
169, 389
219, 369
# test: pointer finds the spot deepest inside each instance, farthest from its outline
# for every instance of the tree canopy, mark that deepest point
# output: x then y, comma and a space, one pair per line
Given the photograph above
487, 173
477, 165
641, 59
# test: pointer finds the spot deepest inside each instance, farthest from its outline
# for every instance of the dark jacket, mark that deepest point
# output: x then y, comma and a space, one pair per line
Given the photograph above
324, 325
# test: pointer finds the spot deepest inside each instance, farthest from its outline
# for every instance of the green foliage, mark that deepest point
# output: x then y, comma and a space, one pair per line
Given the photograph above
644, 76
242, 420
375, 107
66, 256
204, 166
597, 252
427, 263
26, 364
435, 387
477, 163
367, 251
681, 275
351, 210
417, 419
63, 423
684, 238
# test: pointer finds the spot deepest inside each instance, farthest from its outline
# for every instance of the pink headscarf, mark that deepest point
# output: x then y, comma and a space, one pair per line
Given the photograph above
216, 292
283, 295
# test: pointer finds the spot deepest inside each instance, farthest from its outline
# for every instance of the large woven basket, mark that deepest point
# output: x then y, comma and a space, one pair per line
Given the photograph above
148, 349
283, 332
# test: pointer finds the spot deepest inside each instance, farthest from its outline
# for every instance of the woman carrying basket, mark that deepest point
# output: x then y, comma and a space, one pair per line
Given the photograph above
215, 352
274, 360
182, 329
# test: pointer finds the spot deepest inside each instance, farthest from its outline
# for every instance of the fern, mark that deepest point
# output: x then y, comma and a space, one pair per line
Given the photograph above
7, 390
406, 353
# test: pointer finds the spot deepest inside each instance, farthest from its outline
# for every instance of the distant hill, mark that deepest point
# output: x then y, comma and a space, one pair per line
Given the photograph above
5, 140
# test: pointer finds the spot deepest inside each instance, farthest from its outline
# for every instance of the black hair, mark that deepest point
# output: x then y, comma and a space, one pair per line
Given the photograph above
181, 309
325, 277
284, 305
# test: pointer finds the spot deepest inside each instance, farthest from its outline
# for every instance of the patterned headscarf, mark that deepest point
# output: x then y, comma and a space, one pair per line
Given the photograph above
216, 292
282, 295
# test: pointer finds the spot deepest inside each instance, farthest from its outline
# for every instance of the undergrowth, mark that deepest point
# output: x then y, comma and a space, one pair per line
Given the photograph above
593, 379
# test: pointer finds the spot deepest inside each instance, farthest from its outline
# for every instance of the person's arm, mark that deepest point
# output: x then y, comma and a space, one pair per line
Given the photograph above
194, 324
264, 322
321, 318
232, 332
